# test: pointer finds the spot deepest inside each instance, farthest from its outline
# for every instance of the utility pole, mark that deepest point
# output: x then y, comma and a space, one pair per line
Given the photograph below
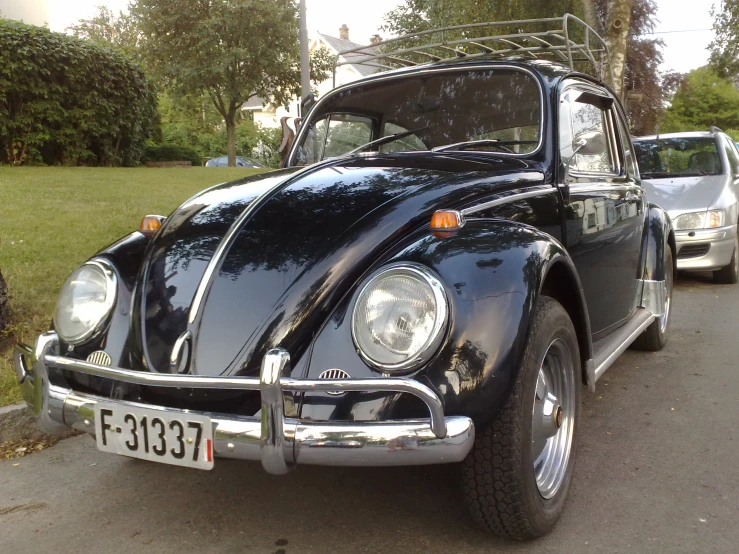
304, 57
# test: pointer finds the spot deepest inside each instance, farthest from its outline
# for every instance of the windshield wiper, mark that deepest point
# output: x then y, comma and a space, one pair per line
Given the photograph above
385, 140
469, 144
656, 175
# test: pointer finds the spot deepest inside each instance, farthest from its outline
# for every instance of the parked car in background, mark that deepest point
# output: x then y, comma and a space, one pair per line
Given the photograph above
222, 161
451, 250
695, 177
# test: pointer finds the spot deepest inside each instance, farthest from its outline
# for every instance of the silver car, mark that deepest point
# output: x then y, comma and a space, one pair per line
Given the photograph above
695, 177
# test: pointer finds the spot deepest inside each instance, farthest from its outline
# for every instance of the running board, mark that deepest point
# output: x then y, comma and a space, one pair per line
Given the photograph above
608, 349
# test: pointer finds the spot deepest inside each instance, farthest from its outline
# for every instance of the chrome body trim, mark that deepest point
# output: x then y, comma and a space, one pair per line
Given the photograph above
111, 283
432, 344
654, 296
278, 442
621, 340
386, 77
176, 356
538, 191
226, 242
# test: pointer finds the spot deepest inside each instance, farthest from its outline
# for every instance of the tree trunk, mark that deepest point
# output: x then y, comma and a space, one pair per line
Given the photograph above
589, 14
231, 138
4, 308
617, 36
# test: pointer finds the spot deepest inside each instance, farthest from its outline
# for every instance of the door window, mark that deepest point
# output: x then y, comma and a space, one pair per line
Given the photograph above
581, 119
334, 136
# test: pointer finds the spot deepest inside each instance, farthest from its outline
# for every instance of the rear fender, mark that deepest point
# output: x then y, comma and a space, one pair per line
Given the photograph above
658, 236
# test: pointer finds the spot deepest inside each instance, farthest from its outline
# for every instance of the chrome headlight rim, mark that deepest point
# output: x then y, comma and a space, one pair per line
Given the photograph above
111, 297
438, 332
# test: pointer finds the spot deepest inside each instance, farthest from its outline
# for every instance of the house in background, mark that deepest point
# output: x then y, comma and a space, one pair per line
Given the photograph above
267, 115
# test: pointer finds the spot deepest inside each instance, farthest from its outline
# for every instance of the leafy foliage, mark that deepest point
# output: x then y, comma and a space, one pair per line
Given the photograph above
66, 101
725, 45
172, 153
230, 51
643, 55
107, 29
703, 99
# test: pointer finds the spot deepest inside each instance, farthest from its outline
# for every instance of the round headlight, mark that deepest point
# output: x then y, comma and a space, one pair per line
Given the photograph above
84, 303
399, 318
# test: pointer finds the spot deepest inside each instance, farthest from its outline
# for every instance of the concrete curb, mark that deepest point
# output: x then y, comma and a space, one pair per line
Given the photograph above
17, 423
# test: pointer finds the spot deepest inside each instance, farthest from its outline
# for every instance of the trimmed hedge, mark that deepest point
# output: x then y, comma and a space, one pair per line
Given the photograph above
172, 153
68, 101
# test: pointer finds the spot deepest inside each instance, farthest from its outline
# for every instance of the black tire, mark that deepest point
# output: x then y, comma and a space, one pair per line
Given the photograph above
654, 338
498, 479
730, 274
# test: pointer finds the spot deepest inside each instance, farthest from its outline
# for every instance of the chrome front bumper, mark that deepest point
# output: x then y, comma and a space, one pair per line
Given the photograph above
280, 443
721, 241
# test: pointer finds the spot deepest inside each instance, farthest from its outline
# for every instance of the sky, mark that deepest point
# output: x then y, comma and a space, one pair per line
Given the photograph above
683, 50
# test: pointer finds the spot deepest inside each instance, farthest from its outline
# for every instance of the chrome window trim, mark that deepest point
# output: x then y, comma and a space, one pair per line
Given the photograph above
111, 283
544, 189
603, 187
434, 340
387, 77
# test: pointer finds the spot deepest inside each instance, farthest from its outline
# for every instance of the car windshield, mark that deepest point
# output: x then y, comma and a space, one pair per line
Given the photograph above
492, 105
678, 157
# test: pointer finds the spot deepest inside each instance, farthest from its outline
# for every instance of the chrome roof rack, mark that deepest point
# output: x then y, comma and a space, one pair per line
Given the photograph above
567, 39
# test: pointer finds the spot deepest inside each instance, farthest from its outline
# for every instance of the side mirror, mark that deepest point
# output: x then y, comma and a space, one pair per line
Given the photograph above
590, 143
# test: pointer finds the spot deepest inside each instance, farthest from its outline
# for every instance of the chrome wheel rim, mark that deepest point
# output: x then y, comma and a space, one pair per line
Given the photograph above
664, 319
553, 418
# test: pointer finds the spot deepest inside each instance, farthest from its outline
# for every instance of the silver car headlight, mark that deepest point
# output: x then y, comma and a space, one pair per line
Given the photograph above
699, 220
400, 317
85, 301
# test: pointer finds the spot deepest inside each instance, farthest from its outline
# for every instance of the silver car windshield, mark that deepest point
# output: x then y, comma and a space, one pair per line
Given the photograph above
678, 157
500, 106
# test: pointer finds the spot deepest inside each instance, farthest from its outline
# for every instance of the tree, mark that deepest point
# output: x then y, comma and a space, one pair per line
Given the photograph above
231, 50
618, 21
118, 31
703, 99
725, 46
635, 57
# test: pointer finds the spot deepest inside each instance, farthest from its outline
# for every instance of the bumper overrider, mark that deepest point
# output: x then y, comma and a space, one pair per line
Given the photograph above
280, 443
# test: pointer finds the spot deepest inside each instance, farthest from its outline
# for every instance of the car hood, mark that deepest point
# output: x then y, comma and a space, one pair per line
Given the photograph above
307, 240
684, 194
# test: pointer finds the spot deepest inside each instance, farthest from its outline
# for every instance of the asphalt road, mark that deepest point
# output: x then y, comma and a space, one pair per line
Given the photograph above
657, 472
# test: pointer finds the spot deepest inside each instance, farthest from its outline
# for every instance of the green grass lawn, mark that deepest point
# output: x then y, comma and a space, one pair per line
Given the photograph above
53, 219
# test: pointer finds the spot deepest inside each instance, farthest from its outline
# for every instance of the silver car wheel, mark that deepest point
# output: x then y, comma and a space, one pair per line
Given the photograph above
553, 418
664, 319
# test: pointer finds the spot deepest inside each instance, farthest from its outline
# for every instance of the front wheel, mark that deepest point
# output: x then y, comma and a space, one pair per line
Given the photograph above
518, 474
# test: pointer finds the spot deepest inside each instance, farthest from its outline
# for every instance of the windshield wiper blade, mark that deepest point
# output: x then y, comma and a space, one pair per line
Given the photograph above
385, 140
468, 144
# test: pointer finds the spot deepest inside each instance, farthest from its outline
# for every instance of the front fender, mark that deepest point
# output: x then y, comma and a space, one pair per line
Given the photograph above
493, 272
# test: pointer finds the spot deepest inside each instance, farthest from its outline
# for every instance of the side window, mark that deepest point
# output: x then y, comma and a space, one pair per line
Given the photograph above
731, 155
334, 135
406, 144
580, 119
626, 148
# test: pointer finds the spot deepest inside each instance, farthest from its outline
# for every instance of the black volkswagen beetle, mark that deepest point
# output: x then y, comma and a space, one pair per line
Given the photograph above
449, 253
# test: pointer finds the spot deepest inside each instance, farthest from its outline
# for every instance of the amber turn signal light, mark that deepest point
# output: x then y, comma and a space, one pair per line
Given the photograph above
151, 224
447, 220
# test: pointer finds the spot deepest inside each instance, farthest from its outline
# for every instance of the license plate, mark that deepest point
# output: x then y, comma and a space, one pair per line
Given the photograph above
179, 439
